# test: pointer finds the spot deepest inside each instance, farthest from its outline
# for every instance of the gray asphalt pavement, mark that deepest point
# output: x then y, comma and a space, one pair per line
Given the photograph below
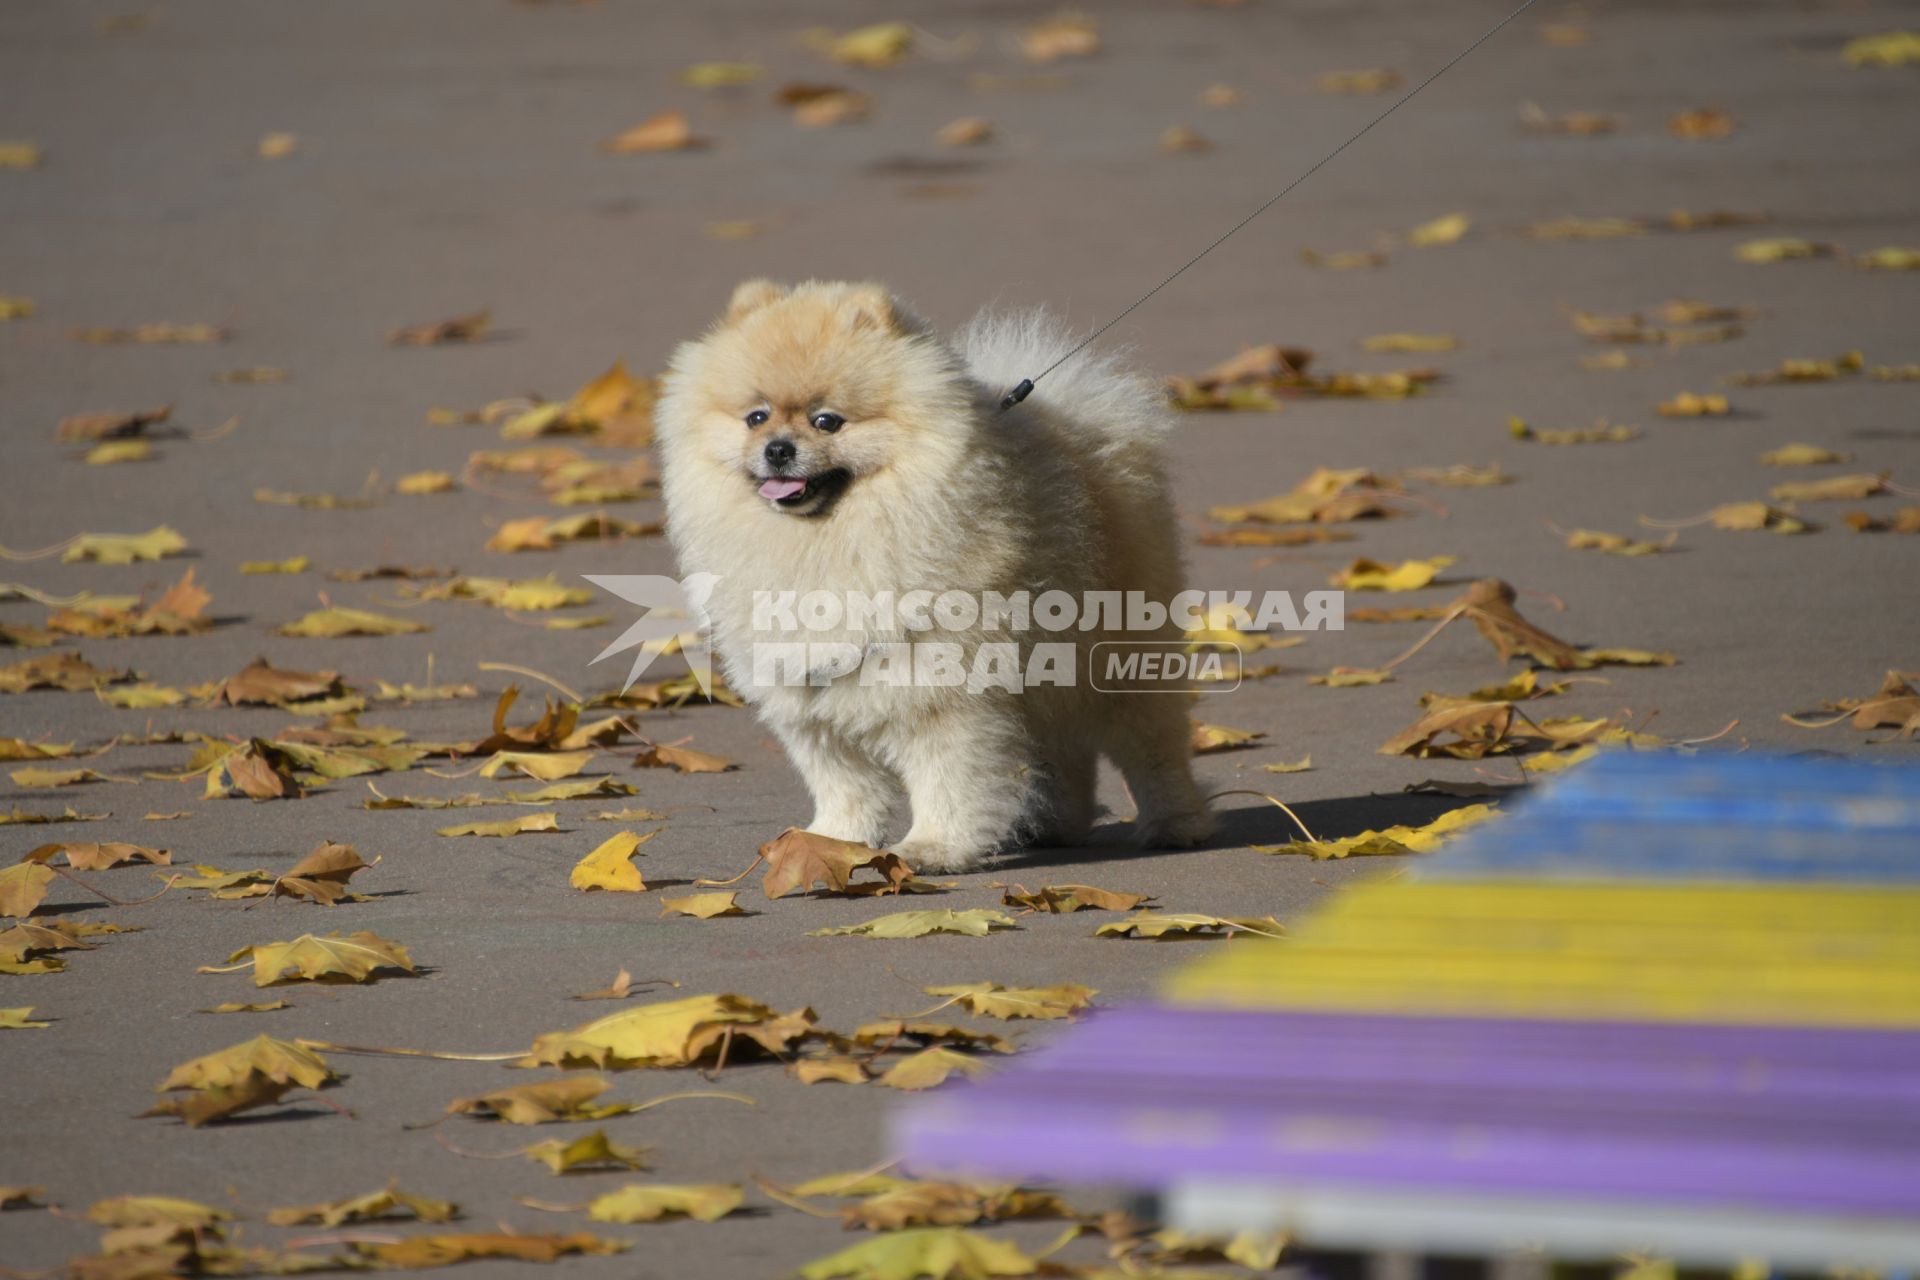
448, 160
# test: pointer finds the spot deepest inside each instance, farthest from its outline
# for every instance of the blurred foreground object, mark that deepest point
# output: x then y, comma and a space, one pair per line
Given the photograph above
1670, 1006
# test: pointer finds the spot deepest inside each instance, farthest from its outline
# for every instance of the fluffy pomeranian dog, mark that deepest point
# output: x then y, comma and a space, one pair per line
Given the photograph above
821, 437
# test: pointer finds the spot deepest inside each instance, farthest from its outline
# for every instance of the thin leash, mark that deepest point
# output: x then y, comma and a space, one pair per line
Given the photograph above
1026, 385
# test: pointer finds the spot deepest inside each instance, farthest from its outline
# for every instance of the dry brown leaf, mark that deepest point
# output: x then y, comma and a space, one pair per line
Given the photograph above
881, 44
162, 334
801, 859
1066, 35
322, 875
1063, 899
1895, 705
546, 1102
258, 770
1373, 80
681, 759
203, 1106
261, 683
838, 1070
67, 671
930, 1068
977, 922
418, 1253
101, 857
967, 131
1489, 603
109, 426
386, 1203
1471, 732
1210, 738
1259, 537
1602, 432
1616, 543
1702, 122
668, 131
1573, 123
530, 824
1803, 455
1802, 370
991, 1000
1905, 520
921, 1204
1689, 405
1160, 925
279, 1060
1179, 137
470, 327
358, 957
819, 106
1781, 250
338, 621
674, 1033
1832, 489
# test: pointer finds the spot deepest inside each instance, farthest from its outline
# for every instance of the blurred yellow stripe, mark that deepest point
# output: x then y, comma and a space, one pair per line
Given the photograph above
1826, 955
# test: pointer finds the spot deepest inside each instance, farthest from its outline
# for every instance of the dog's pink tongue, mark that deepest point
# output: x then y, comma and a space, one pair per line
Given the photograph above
781, 487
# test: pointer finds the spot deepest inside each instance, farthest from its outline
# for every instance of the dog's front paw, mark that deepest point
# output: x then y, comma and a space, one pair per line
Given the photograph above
1175, 830
857, 829
924, 853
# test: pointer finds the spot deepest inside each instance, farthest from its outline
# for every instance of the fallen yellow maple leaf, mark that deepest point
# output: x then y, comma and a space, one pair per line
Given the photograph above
590, 1151
418, 1253
991, 1000
703, 1202
1443, 230
330, 957
278, 1060
1372, 575
339, 621
1159, 924
975, 923
1390, 841
610, 867
930, 1068
672, 1033
388, 1202
702, 906
530, 823
568, 1098
944, 1253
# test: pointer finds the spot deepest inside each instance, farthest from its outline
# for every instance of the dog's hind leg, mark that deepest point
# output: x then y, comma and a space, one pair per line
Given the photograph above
1152, 744
853, 794
1065, 803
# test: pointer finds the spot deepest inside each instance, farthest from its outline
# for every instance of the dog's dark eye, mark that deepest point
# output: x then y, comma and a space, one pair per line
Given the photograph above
757, 418
828, 422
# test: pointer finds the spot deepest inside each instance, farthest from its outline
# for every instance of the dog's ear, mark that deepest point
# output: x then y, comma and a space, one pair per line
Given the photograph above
868, 306
871, 306
750, 296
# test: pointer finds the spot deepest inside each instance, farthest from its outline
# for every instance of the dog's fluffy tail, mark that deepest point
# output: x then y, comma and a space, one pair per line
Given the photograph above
1094, 395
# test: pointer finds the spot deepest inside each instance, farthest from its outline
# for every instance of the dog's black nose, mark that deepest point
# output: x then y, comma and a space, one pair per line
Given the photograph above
779, 453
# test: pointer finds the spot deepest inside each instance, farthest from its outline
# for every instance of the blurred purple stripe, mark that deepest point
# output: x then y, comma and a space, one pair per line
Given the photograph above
1728, 1115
